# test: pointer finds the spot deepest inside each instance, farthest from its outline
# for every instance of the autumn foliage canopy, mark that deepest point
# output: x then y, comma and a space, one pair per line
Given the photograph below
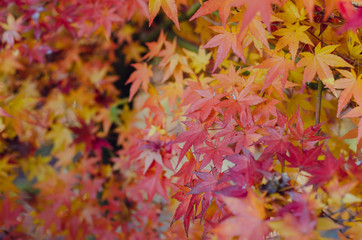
180, 119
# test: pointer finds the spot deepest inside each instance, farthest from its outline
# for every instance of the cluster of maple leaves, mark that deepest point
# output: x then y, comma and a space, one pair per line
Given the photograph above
248, 126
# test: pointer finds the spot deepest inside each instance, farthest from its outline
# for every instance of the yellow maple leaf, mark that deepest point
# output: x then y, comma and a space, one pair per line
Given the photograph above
60, 135
291, 36
133, 51
198, 60
291, 13
319, 63
354, 46
37, 167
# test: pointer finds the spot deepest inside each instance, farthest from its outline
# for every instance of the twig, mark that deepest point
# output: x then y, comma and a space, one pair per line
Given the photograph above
211, 21
319, 102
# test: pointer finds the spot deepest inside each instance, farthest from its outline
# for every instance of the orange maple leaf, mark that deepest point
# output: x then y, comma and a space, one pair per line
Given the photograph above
356, 112
351, 85
142, 76
279, 66
319, 62
226, 40
248, 220
168, 6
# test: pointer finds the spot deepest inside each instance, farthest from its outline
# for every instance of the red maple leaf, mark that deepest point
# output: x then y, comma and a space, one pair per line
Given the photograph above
87, 134
185, 173
154, 182
207, 184
10, 212
187, 207
193, 136
324, 171
215, 152
299, 158
238, 104
208, 102
276, 141
226, 40
307, 137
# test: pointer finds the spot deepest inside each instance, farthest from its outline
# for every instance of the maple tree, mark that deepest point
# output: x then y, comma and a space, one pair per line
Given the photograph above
180, 119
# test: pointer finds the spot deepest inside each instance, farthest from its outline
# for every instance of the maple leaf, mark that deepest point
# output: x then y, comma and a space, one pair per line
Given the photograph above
354, 22
142, 76
352, 87
299, 158
238, 103
356, 112
319, 62
248, 171
155, 47
10, 212
12, 29
231, 79
155, 182
307, 137
194, 136
264, 7
106, 18
276, 140
309, 5
187, 206
174, 63
255, 32
291, 13
206, 104
168, 6
291, 36
186, 171
248, 220
38, 167
133, 51
222, 6
279, 66
134, 5
226, 40
264, 110
91, 187
298, 220
199, 60
172, 91
150, 156
207, 184
61, 137
86, 134
215, 152
354, 45
88, 166
341, 192
323, 171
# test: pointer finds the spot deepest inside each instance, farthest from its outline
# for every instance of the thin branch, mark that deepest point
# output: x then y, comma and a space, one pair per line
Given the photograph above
211, 21
319, 102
